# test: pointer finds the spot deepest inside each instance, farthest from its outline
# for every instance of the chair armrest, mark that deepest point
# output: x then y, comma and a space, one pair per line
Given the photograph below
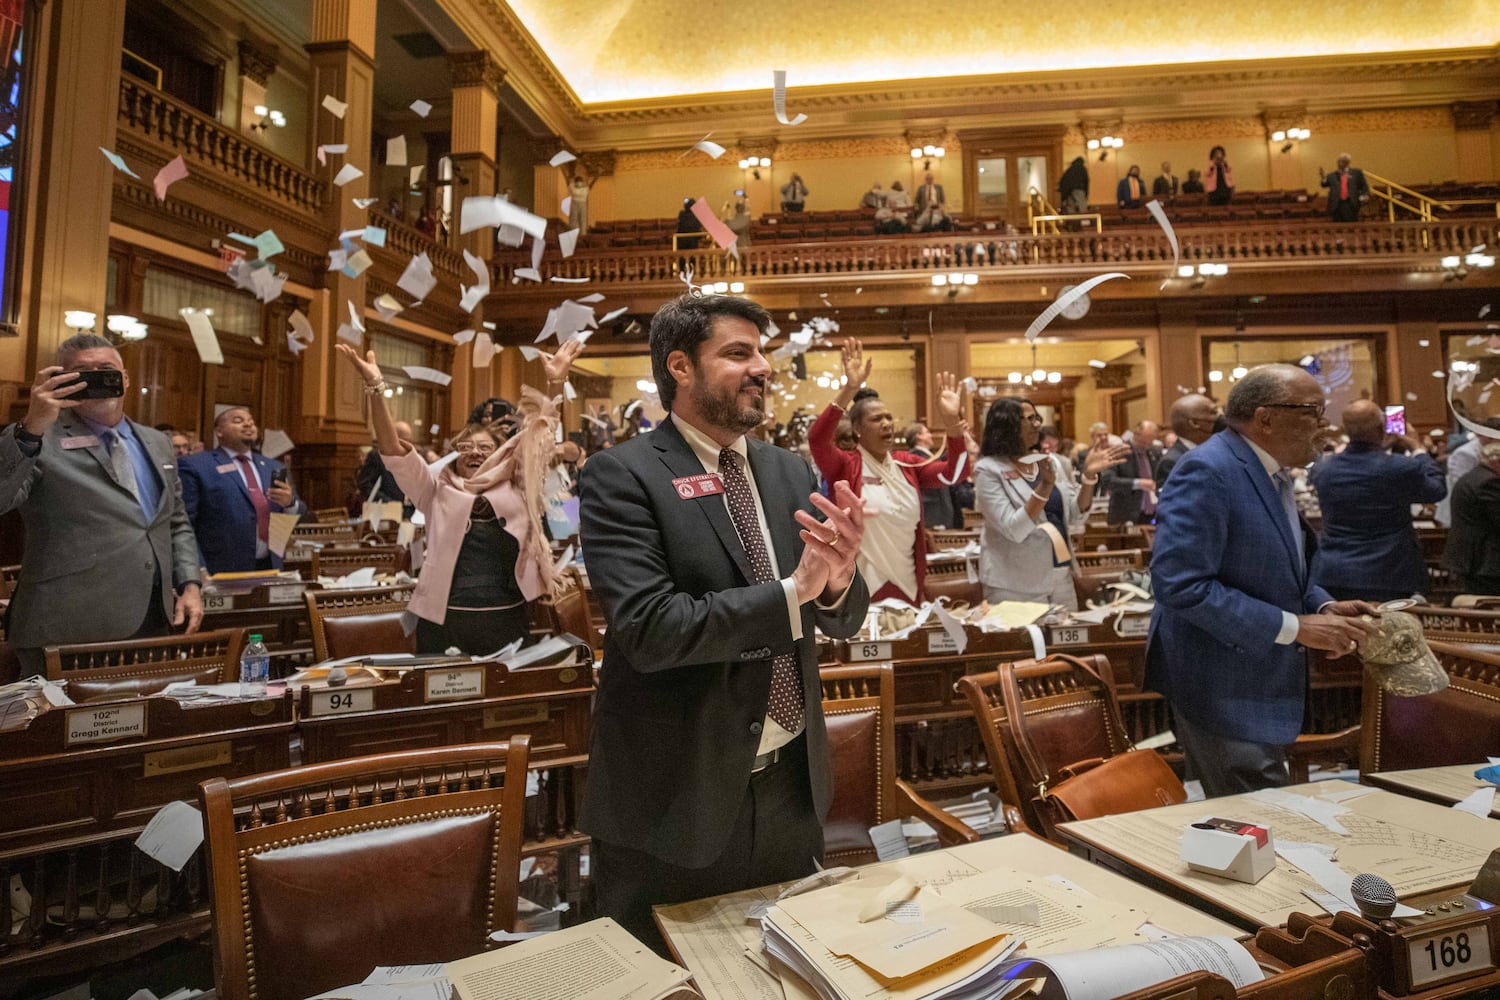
1310, 747
1016, 823
950, 832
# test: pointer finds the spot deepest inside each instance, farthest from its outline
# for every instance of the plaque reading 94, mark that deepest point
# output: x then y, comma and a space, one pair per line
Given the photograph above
1446, 954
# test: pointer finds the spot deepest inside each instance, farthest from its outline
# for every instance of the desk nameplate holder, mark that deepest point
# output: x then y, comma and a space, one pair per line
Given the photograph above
932, 639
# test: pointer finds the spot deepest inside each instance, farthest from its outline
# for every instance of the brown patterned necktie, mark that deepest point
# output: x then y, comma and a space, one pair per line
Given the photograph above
785, 706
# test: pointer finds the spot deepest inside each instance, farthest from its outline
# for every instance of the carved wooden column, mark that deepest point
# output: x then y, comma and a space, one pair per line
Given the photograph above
548, 186
1476, 134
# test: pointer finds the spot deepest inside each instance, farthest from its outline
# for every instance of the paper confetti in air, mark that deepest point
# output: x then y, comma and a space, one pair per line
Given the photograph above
347, 332
418, 280
1484, 311
167, 176
567, 242
484, 350
778, 99
529, 353
301, 327
529, 273
331, 147
268, 244
267, 284
357, 263
119, 164
422, 108
612, 315
294, 345
348, 172
474, 294
354, 319
567, 206
1472, 426
204, 337
714, 226
560, 157
334, 106
364, 203
713, 149
592, 297
463, 336
375, 236
387, 306
424, 374
491, 210
1154, 207
1062, 302
395, 151
510, 236
569, 393
569, 281
416, 175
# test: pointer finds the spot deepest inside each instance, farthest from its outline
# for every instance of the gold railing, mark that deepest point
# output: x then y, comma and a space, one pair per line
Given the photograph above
1145, 248
202, 141
1399, 196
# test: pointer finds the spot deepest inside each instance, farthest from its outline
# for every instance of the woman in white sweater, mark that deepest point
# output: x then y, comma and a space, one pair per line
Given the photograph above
1028, 502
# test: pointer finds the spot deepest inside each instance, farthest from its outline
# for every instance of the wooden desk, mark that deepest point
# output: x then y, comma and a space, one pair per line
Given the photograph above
1417, 846
276, 611
709, 936
1443, 785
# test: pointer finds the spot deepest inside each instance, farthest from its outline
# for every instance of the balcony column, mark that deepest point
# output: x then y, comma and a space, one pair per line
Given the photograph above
333, 423
66, 188
474, 144
1476, 132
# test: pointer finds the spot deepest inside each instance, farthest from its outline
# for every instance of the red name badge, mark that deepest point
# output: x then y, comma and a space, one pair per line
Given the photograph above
705, 484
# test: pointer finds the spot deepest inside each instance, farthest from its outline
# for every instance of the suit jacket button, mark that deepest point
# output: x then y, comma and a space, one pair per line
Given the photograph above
755, 728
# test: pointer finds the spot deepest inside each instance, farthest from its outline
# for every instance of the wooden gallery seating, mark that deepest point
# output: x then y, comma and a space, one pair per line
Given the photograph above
859, 704
340, 533
1457, 725
419, 850
355, 622
950, 579
135, 667
1475, 627
343, 560
939, 539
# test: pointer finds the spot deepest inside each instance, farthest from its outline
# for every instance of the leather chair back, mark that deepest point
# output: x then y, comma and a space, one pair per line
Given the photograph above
320, 873
1071, 714
134, 667
567, 611
951, 580
1454, 726
356, 622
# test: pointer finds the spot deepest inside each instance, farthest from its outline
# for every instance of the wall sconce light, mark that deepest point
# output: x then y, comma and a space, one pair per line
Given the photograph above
1290, 137
754, 163
1202, 272
927, 154
127, 328
269, 118
1104, 145
954, 281
79, 320
1457, 268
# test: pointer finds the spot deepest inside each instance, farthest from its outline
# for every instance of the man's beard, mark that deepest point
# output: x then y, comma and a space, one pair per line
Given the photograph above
722, 409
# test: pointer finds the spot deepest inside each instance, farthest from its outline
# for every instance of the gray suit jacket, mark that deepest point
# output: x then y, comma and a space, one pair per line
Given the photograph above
91, 559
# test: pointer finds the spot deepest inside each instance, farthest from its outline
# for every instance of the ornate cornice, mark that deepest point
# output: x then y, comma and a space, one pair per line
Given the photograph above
1112, 377
257, 61
476, 69
598, 164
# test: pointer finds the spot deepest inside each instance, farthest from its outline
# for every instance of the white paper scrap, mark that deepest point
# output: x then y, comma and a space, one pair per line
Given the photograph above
1154, 207
348, 172
713, 149
491, 210
294, 345
569, 393
267, 284
484, 350
276, 443
889, 841
204, 337
173, 834
560, 157
1317, 861
463, 336
425, 374
334, 106
279, 532
119, 162
474, 294
354, 319
529, 273
1481, 802
416, 175
357, 263
350, 334
395, 151
529, 353
592, 297
612, 314
301, 327
331, 147
778, 100
387, 306
1062, 302
567, 241
363, 203
418, 280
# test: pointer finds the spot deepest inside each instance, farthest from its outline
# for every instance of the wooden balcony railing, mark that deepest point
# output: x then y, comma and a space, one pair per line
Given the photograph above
407, 241
1290, 243
203, 141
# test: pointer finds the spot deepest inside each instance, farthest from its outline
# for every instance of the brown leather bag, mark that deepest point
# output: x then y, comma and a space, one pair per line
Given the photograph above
1085, 789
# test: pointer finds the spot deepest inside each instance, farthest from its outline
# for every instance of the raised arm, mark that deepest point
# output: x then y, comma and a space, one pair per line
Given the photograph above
369, 372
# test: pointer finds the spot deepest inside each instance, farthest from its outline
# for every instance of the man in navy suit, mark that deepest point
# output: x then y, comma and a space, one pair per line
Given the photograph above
231, 492
1369, 548
1235, 604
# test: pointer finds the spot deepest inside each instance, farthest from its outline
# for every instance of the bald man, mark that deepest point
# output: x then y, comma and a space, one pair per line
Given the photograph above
1194, 420
375, 480
1369, 549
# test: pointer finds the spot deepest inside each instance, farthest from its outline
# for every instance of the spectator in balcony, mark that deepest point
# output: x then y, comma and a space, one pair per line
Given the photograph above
892, 215
427, 223
1131, 190
893, 555
874, 198
1165, 185
1347, 190
934, 218
579, 186
688, 223
1218, 180
930, 194
739, 223
793, 194
1074, 188
1194, 183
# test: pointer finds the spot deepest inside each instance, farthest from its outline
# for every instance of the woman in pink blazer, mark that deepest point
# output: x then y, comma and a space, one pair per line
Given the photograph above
893, 555
486, 552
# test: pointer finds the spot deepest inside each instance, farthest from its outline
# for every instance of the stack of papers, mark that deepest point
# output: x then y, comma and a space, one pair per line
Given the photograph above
598, 960
25, 700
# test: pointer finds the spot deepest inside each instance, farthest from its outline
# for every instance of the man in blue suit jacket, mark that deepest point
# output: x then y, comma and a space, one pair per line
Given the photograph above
230, 493
1235, 604
1369, 548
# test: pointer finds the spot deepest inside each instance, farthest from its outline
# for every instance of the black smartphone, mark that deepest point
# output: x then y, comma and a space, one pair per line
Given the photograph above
101, 383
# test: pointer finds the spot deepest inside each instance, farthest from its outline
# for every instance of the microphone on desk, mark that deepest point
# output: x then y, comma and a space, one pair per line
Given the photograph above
1374, 896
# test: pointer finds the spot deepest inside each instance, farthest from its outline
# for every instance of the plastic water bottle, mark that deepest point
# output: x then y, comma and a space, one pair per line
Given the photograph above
255, 668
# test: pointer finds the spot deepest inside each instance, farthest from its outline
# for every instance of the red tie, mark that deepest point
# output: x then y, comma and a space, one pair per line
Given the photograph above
1343, 187
257, 499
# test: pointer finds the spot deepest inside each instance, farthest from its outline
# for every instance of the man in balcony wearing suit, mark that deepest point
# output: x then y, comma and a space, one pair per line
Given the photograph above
1131, 190
708, 771
932, 206
1235, 603
1347, 190
1165, 186
109, 551
231, 493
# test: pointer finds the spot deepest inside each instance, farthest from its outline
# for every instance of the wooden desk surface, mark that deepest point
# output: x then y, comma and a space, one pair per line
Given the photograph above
709, 937
1417, 846
1444, 785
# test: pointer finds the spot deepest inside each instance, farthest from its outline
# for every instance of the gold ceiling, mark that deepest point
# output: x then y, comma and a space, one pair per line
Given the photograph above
629, 50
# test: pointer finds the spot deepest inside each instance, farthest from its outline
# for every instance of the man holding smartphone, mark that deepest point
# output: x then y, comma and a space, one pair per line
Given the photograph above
110, 552
231, 493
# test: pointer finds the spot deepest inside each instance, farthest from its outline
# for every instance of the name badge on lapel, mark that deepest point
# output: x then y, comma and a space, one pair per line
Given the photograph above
704, 484
226, 467
79, 441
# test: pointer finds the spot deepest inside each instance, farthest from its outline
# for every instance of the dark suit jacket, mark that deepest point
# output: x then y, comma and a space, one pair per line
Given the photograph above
92, 559
919, 197
373, 471
1224, 567
1119, 480
1163, 186
1122, 193
1368, 538
1359, 188
1473, 547
219, 505
687, 655
1163, 467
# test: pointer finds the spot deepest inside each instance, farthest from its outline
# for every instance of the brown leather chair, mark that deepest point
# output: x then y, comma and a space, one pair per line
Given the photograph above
133, 667
343, 560
355, 622
859, 705
1072, 716
1454, 726
322, 872
8, 577
567, 610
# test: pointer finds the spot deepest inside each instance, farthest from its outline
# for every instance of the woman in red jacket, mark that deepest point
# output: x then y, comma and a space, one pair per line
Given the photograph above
893, 556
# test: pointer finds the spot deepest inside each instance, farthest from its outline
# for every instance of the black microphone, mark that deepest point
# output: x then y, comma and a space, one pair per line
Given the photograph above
1374, 896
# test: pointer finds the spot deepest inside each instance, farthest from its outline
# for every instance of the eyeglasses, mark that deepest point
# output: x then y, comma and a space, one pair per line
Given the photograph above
469, 449
1316, 409
1035, 418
